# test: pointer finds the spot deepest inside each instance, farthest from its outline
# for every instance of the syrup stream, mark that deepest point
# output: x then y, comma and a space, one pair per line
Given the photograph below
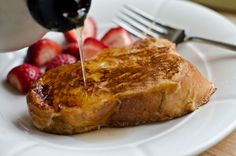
81, 53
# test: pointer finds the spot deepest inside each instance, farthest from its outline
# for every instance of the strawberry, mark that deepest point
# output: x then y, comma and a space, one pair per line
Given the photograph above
71, 36
22, 77
89, 30
117, 38
72, 49
61, 60
42, 52
92, 48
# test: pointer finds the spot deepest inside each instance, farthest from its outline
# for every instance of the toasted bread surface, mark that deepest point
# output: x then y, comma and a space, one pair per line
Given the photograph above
144, 83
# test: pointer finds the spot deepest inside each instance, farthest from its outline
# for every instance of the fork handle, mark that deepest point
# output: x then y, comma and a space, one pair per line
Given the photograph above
217, 43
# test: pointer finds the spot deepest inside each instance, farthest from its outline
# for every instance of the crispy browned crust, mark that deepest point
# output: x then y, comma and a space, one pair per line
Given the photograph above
145, 83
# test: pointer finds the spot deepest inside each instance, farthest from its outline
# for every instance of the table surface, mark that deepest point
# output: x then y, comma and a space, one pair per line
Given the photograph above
227, 147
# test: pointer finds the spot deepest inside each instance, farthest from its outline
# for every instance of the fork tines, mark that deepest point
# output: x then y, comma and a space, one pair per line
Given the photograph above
139, 23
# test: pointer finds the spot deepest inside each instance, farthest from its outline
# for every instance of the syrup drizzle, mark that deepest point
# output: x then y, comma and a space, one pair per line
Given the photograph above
81, 53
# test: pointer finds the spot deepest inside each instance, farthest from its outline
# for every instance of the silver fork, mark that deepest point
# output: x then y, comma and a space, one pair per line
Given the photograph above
142, 25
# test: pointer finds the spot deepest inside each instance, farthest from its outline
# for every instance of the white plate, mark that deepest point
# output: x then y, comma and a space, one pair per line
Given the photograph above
188, 135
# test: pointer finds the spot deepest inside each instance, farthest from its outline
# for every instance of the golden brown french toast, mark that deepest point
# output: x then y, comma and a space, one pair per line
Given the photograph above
145, 83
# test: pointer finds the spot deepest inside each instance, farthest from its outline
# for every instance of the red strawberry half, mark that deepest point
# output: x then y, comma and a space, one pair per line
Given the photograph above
117, 38
61, 60
92, 48
42, 52
22, 77
71, 36
72, 49
90, 28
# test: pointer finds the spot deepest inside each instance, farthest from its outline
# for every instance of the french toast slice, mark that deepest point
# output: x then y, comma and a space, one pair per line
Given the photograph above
144, 83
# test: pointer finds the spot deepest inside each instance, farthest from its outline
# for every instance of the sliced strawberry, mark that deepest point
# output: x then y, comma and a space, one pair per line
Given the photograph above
42, 52
92, 48
117, 38
61, 60
71, 36
90, 28
72, 49
22, 77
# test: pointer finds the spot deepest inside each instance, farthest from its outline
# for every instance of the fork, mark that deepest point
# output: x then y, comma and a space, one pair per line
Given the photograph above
142, 25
